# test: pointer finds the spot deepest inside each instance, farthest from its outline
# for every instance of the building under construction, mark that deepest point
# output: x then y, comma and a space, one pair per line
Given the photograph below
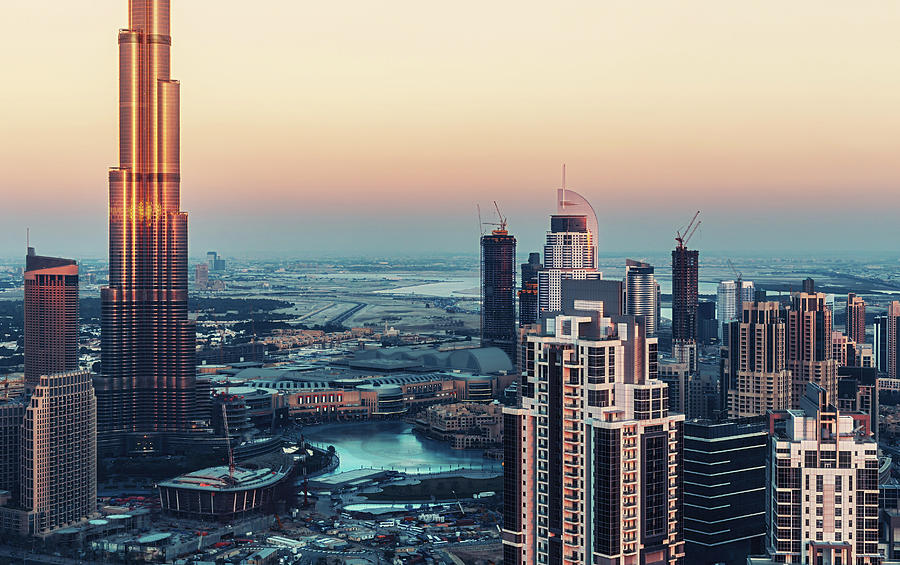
498, 290
685, 286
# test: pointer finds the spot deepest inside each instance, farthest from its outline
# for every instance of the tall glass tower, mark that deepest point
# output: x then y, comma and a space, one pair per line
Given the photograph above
147, 382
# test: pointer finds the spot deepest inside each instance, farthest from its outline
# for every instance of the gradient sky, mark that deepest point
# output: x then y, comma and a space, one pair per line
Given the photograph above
335, 127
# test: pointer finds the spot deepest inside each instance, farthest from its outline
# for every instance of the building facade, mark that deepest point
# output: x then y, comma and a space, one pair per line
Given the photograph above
886, 343
498, 291
729, 301
823, 489
51, 316
724, 490
12, 416
684, 294
592, 466
59, 452
570, 251
754, 378
809, 349
528, 293
855, 322
146, 389
641, 293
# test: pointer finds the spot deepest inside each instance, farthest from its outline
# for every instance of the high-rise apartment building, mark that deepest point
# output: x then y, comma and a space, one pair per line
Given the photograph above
823, 484
641, 293
809, 286
59, 451
808, 338
498, 291
843, 349
724, 490
592, 467
12, 415
146, 389
201, 276
51, 316
754, 378
729, 301
570, 251
684, 293
855, 323
886, 342
528, 292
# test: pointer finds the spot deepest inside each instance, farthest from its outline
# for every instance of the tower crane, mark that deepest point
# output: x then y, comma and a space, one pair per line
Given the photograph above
501, 225
683, 236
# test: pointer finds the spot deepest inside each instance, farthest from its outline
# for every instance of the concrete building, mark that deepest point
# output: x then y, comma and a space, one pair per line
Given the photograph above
59, 452
12, 416
201, 276
729, 301
886, 342
691, 394
724, 487
808, 339
685, 296
823, 490
641, 293
855, 322
843, 350
754, 378
570, 251
51, 316
463, 425
591, 444
528, 293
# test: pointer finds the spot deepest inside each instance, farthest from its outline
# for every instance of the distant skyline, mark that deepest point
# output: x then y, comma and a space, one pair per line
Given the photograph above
357, 128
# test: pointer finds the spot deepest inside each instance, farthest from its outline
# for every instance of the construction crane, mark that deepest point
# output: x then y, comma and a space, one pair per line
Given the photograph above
683, 236
738, 291
501, 225
228, 442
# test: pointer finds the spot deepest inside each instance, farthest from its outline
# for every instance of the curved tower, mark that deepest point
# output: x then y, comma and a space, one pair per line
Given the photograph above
147, 359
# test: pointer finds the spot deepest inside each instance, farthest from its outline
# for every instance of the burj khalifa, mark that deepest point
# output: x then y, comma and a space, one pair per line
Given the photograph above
146, 386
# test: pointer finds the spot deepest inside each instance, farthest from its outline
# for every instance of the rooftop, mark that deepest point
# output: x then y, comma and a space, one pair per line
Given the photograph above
219, 479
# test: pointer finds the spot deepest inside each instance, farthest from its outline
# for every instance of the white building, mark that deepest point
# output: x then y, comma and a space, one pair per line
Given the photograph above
641, 293
727, 307
591, 457
823, 489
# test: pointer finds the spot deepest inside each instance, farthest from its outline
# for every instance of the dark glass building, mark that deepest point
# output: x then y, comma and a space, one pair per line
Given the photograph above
498, 291
146, 390
528, 293
724, 490
684, 294
51, 316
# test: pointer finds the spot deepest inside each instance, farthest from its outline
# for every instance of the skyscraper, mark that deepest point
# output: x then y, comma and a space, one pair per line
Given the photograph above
59, 451
684, 294
498, 291
754, 378
808, 339
728, 304
528, 293
640, 292
886, 342
146, 389
592, 457
823, 489
570, 251
855, 323
51, 316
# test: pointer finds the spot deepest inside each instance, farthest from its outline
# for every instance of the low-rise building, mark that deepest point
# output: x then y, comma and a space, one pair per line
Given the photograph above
464, 425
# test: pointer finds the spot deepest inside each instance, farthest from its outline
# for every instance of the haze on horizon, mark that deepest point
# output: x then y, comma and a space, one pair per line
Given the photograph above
372, 129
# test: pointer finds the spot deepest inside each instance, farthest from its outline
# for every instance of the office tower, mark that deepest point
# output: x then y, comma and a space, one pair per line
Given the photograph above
201, 276
754, 378
707, 323
51, 316
59, 451
809, 286
808, 339
823, 489
729, 304
570, 251
886, 342
498, 290
858, 391
592, 457
724, 491
640, 292
215, 262
528, 293
684, 293
12, 415
855, 323
146, 389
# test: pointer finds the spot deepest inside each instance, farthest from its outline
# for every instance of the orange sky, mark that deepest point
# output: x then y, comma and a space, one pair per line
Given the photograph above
300, 111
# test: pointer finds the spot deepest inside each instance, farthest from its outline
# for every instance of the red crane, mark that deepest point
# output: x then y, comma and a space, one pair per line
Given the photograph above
682, 236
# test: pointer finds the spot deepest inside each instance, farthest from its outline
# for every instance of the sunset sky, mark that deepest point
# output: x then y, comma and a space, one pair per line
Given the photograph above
375, 127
